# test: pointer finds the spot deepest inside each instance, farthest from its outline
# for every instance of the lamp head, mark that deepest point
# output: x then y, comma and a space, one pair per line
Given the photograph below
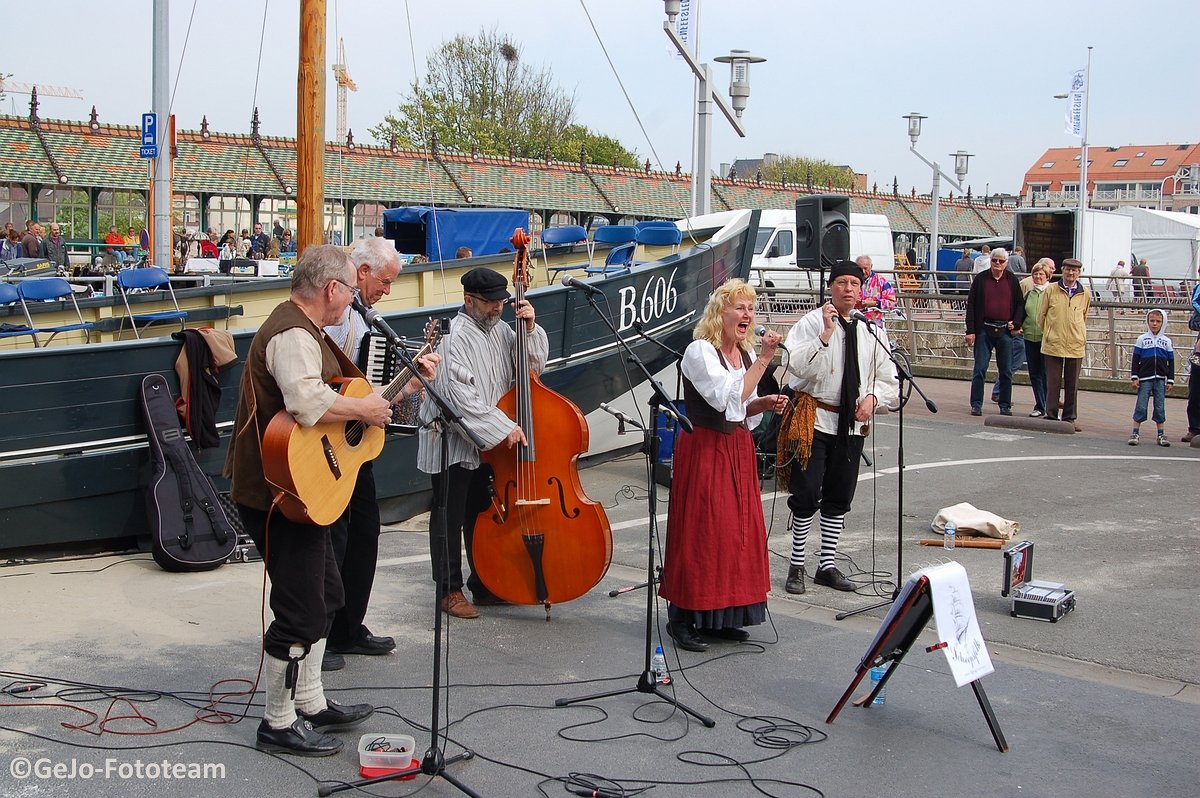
739, 76
960, 163
671, 7
914, 126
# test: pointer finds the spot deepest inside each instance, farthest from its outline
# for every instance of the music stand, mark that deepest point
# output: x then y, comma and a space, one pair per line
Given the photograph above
659, 403
911, 610
434, 762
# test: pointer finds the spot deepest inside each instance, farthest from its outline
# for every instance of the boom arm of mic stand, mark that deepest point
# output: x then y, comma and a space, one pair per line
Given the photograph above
637, 328
450, 416
660, 396
901, 363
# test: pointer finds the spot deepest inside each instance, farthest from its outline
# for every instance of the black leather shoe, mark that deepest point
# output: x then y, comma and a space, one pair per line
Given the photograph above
331, 661
488, 600
976, 411
832, 577
339, 716
300, 739
368, 644
729, 633
685, 637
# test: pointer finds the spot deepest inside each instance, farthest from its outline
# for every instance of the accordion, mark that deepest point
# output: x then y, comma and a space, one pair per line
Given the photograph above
378, 362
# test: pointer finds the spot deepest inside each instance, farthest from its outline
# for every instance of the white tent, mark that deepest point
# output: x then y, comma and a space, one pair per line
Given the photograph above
1170, 242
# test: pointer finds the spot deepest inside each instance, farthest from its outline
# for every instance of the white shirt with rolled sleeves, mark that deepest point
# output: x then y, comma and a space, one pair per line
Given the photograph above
816, 369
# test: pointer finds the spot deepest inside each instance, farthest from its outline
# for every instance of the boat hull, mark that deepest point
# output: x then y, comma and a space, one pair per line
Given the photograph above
74, 460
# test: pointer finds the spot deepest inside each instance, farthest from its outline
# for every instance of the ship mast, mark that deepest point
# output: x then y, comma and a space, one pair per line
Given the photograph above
310, 126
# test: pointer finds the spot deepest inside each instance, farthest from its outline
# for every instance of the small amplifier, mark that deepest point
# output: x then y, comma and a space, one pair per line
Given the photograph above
1043, 601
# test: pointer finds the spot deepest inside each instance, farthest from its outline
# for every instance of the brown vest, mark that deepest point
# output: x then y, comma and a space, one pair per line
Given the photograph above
243, 465
701, 413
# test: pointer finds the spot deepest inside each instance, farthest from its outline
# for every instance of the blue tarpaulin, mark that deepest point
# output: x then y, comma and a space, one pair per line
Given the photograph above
439, 232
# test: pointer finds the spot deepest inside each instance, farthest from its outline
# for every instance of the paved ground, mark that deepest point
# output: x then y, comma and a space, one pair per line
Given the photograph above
1103, 703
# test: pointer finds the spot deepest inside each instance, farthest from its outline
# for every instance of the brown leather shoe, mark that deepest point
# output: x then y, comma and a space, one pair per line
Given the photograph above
456, 604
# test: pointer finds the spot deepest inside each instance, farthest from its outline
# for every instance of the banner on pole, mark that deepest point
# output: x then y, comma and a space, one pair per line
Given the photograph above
1076, 100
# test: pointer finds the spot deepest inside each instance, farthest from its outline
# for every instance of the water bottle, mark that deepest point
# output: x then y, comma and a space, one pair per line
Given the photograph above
876, 675
951, 534
658, 665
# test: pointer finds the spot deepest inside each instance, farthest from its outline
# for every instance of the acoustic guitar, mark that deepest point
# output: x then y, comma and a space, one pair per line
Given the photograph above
314, 469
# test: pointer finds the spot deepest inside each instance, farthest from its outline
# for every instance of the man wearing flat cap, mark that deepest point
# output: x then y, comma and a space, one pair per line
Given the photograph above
840, 373
478, 367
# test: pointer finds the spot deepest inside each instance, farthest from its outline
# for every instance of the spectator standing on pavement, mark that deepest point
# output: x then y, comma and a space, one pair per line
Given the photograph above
963, 268
995, 313
1035, 295
1016, 261
1118, 282
1193, 397
1152, 374
1141, 281
1063, 319
984, 261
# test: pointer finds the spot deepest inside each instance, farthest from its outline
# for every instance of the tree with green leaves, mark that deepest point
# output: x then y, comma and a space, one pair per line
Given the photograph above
478, 93
799, 171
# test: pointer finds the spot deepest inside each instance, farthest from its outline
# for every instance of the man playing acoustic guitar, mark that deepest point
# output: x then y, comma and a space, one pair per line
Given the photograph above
289, 367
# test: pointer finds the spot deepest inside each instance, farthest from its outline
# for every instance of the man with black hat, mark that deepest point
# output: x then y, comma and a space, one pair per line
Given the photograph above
478, 367
840, 374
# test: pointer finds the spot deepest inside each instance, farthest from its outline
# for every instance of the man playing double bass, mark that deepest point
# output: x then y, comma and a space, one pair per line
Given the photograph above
477, 369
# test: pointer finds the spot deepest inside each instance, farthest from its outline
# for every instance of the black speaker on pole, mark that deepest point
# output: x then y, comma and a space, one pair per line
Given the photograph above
822, 230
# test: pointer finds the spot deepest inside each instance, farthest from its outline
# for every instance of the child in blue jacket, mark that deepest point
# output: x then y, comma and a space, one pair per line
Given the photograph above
1152, 373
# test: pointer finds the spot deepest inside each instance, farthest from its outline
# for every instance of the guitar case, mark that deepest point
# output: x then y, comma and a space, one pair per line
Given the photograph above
189, 530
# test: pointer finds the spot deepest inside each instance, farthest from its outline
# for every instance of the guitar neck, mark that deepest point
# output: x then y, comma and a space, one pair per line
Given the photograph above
393, 388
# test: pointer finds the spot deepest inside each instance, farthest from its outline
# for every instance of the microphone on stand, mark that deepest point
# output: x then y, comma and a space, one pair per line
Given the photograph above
575, 282
373, 318
858, 314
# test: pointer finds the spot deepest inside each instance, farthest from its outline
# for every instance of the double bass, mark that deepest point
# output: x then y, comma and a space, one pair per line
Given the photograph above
543, 541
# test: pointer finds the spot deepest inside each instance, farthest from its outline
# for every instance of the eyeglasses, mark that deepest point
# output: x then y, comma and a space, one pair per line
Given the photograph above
479, 298
353, 289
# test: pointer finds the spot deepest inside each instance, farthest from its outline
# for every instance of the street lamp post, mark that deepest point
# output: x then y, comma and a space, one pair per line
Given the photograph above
739, 91
961, 159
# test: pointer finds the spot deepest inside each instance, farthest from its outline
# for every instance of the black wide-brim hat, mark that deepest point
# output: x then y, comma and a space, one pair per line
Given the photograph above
485, 283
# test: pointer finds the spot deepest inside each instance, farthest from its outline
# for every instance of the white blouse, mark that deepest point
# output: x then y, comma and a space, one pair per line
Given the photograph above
721, 387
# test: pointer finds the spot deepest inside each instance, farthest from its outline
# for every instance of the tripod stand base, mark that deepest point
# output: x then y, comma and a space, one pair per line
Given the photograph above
841, 616
648, 684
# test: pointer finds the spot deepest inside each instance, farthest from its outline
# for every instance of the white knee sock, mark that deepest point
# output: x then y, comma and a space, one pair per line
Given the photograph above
310, 693
831, 531
800, 528
281, 710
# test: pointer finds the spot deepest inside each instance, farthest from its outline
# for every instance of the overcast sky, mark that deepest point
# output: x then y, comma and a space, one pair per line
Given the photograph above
838, 76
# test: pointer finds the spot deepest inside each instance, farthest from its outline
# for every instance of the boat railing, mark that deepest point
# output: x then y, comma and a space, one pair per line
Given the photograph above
929, 326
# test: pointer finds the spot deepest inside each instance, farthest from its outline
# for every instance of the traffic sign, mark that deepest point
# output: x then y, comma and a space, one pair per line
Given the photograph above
148, 152
149, 131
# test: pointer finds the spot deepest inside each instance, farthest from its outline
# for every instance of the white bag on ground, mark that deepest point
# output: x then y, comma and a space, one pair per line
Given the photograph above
971, 520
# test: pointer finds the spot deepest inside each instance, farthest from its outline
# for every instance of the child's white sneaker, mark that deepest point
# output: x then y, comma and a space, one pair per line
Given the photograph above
1134, 439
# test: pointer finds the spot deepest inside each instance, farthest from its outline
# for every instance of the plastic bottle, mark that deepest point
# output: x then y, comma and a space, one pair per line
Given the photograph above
658, 664
876, 675
951, 534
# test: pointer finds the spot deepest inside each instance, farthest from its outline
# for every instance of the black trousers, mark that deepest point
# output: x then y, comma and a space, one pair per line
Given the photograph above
355, 538
306, 589
455, 525
829, 482
1193, 401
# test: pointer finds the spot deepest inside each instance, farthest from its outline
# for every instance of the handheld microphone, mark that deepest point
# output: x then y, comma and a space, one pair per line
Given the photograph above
373, 318
575, 282
760, 330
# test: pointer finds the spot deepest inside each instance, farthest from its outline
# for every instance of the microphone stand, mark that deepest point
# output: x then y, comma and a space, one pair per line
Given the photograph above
659, 403
434, 762
903, 372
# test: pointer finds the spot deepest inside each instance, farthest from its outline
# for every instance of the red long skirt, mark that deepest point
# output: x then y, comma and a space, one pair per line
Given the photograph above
716, 552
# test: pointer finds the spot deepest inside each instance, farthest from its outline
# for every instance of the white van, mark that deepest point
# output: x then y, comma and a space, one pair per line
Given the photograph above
774, 263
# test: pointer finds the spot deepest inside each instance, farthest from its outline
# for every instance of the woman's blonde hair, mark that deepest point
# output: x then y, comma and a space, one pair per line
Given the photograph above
1040, 267
709, 327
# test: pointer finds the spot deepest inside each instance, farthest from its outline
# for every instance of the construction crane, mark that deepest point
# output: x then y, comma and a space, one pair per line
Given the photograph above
344, 82
13, 87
